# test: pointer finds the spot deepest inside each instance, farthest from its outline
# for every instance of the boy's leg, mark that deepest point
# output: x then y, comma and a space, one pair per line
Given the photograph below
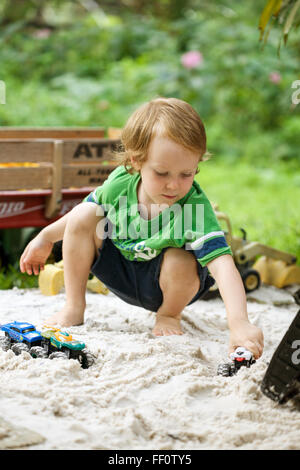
179, 282
80, 245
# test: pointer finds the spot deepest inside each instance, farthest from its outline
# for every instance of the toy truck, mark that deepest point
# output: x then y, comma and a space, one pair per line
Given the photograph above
50, 342
273, 266
239, 358
60, 344
20, 336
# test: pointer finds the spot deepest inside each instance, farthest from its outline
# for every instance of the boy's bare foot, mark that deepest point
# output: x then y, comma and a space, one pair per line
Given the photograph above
67, 316
166, 326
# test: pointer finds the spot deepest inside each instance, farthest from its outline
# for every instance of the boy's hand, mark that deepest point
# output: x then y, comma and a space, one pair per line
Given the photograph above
243, 333
35, 255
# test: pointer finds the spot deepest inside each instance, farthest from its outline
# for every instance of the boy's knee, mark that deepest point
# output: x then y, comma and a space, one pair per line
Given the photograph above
179, 264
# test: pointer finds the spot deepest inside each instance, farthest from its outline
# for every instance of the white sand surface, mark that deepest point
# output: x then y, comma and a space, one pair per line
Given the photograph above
145, 392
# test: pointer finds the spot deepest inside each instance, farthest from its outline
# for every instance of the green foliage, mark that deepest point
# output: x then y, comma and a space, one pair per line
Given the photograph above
96, 73
285, 13
11, 277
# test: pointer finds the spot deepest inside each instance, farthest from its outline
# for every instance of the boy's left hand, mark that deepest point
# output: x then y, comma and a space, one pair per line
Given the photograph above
247, 335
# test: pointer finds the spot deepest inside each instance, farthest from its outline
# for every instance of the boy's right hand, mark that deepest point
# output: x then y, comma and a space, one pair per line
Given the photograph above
35, 255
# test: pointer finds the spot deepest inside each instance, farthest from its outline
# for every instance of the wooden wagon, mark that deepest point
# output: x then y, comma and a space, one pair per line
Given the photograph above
45, 172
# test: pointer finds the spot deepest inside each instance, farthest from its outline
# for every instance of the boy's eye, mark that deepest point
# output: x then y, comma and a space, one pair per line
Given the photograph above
184, 175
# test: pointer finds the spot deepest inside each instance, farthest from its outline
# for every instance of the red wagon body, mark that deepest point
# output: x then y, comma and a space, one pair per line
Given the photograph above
27, 208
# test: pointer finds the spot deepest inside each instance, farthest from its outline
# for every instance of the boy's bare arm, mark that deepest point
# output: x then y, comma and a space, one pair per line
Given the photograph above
55, 231
38, 250
230, 284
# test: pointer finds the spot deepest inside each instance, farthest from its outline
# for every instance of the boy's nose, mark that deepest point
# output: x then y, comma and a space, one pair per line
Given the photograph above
172, 184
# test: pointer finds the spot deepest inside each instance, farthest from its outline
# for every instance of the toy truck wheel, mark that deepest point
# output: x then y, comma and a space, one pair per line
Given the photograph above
18, 348
38, 351
251, 280
58, 355
87, 359
224, 370
5, 343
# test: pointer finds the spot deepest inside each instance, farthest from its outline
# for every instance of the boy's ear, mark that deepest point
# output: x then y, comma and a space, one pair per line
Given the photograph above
135, 164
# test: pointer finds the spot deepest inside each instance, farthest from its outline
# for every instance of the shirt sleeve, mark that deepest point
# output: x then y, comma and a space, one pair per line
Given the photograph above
101, 194
94, 196
210, 246
208, 240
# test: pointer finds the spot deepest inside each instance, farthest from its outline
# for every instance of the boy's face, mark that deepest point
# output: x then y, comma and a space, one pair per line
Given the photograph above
168, 173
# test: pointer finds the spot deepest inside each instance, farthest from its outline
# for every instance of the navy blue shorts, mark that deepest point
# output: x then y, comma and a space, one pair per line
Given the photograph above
137, 282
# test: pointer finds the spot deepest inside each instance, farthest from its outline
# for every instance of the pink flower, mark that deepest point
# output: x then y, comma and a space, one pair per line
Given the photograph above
275, 77
43, 33
191, 59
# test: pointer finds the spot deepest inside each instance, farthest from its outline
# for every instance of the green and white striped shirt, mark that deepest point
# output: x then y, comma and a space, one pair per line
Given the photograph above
190, 222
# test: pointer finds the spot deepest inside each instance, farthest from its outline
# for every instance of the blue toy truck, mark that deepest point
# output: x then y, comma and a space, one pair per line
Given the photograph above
20, 336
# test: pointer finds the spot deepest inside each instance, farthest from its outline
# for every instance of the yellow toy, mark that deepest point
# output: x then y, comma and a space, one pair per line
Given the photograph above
51, 280
257, 262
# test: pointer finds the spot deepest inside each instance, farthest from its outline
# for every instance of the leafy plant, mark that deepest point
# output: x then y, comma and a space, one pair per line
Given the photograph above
285, 12
11, 277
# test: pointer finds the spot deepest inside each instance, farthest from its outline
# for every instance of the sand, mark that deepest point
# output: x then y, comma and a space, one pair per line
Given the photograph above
144, 392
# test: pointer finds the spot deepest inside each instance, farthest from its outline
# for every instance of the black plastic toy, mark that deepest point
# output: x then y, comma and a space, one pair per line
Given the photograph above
282, 378
239, 358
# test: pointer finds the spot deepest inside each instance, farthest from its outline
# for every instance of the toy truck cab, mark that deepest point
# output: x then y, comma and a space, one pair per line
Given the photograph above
20, 336
62, 340
242, 357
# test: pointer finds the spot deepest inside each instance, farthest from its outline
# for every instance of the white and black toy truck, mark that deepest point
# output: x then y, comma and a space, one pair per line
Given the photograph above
240, 357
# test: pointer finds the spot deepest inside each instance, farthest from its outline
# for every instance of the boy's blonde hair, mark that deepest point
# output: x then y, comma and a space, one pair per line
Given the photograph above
167, 117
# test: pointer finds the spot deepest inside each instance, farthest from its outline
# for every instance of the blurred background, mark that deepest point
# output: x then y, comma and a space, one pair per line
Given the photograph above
92, 62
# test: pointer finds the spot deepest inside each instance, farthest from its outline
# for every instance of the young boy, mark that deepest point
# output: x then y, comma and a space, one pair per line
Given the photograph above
149, 232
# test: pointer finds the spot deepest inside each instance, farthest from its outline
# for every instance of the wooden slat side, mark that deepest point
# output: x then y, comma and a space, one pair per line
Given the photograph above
26, 151
52, 133
53, 202
79, 176
26, 178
